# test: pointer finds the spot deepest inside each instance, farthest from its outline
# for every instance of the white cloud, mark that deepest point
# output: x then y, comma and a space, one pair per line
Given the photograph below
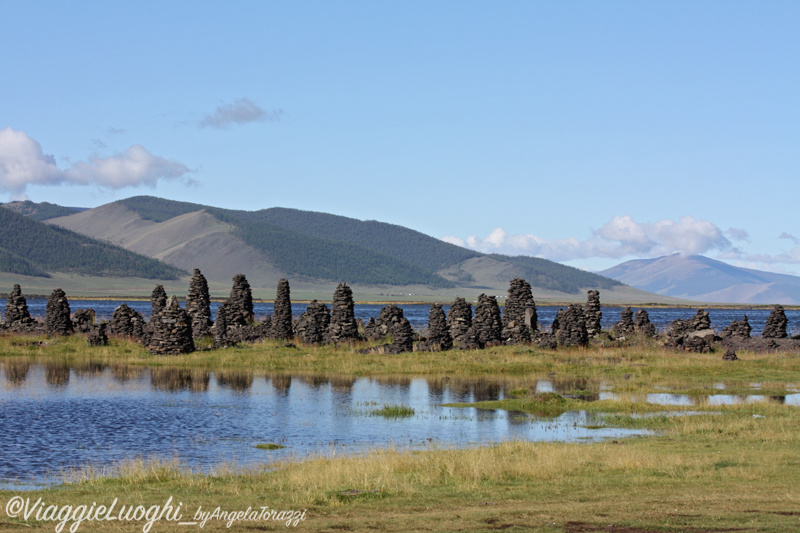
619, 237
241, 111
23, 163
790, 237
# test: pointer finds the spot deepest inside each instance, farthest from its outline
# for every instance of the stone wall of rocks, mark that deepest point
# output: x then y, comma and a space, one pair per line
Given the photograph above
83, 320
312, 326
172, 330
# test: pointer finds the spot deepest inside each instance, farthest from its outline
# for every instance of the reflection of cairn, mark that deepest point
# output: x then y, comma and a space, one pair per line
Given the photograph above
176, 379
776, 324
459, 320
487, 323
172, 330
241, 302
57, 320
198, 305
158, 300
313, 324
220, 328
83, 320
642, 324
56, 373
738, 330
282, 315
519, 313
17, 308
625, 324
700, 321
125, 322
438, 332
593, 313
572, 327
97, 335
343, 325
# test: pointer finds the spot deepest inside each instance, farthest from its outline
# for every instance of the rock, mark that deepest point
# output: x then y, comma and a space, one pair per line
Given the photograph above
730, 355
220, 328
240, 312
125, 322
738, 330
312, 326
83, 320
556, 325
642, 324
438, 333
57, 315
700, 321
402, 337
459, 320
282, 316
343, 326
198, 305
158, 299
625, 325
593, 313
572, 327
487, 323
97, 335
172, 330
383, 326
775, 327
391, 321
17, 308
519, 313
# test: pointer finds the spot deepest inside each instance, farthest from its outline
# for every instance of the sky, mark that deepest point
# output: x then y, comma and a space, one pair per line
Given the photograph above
586, 132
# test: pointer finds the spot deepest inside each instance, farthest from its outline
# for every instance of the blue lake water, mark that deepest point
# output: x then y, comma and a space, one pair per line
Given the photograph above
417, 314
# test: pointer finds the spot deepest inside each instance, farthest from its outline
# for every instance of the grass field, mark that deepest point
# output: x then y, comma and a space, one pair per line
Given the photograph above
705, 468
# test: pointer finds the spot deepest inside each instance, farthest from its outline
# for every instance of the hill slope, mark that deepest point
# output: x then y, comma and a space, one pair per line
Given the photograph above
703, 279
318, 250
32, 248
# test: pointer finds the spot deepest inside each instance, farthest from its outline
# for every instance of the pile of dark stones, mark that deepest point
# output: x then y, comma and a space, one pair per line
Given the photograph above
775, 327
57, 319
519, 313
572, 327
343, 326
172, 330
487, 324
198, 305
460, 323
593, 313
282, 315
438, 338
312, 326
126, 322
241, 302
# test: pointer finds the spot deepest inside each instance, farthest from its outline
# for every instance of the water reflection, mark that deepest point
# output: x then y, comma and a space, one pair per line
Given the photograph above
178, 379
237, 381
16, 372
57, 374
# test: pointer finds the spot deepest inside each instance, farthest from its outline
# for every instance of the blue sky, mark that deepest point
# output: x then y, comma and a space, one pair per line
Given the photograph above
584, 132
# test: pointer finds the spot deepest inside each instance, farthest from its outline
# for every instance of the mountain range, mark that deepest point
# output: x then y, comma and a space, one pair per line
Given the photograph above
315, 251
702, 279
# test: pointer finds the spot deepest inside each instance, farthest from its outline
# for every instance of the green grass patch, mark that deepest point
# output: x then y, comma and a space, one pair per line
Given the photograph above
393, 411
269, 446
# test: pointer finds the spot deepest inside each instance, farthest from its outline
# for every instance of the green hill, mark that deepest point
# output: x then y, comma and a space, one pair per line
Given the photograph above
40, 211
30, 247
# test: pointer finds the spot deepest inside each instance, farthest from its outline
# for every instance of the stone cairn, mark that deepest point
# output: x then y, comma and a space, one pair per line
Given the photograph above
220, 328
172, 330
126, 322
97, 335
343, 326
241, 302
17, 313
383, 326
57, 320
738, 330
625, 324
593, 313
83, 320
775, 327
459, 321
487, 323
312, 325
282, 315
730, 355
642, 324
402, 337
572, 327
198, 305
438, 333
519, 314
693, 335
158, 300
700, 321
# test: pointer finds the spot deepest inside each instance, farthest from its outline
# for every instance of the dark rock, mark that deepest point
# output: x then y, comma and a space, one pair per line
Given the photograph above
459, 320
240, 312
384, 324
642, 324
402, 337
371, 330
572, 327
198, 305
439, 338
17, 308
556, 325
343, 326
738, 330
313, 325
593, 313
487, 323
700, 321
158, 300
97, 335
220, 328
125, 322
730, 355
57, 315
83, 320
625, 325
282, 316
172, 330
775, 327
519, 313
